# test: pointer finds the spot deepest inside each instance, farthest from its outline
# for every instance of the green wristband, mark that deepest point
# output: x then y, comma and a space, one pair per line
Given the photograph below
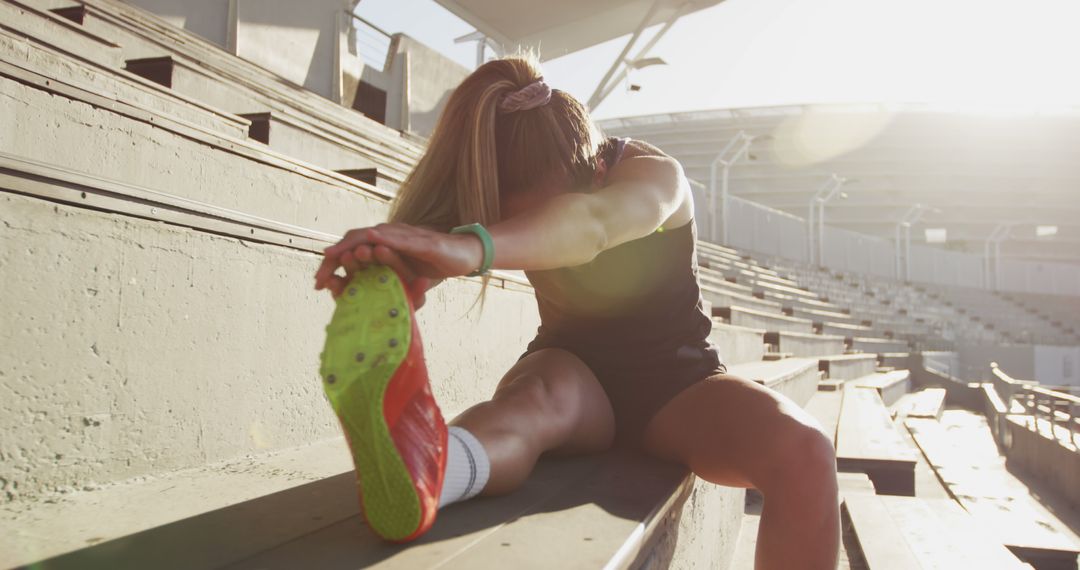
485, 239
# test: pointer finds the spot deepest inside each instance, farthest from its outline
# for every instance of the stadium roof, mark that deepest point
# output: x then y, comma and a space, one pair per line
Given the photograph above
559, 27
972, 171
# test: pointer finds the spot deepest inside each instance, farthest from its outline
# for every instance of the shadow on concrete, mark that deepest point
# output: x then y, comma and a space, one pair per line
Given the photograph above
318, 525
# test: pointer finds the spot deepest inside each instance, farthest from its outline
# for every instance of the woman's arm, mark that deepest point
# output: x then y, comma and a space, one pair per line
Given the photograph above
567, 230
571, 229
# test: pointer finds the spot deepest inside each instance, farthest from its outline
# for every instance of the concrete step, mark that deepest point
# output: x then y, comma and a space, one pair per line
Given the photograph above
928, 404
831, 385
58, 33
292, 133
842, 329
962, 452
601, 511
822, 315
737, 344
32, 63
723, 297
746, 317
890, 386
792, 290
191, 518
825, 407
876, 345
262, 184
847, 366
716, 279
796, 378
805, 344
253, 89
907, 533
868, 442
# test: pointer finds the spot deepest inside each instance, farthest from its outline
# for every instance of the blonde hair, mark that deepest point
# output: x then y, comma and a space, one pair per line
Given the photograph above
476, 152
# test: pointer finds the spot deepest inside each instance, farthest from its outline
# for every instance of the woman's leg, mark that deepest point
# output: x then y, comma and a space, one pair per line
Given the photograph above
735, 432
549, 401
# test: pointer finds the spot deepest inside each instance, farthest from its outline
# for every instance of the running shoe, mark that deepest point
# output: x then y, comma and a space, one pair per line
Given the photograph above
374, 375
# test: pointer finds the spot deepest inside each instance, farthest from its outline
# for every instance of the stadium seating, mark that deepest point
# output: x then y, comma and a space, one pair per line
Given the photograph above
165, 217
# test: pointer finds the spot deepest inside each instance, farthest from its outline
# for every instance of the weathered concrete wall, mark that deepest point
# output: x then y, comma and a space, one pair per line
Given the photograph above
77, 136
1057, 365
300, 41
709, 527
207, 18
1018, 361
134, 347
1049, 365
296, 40
431, 78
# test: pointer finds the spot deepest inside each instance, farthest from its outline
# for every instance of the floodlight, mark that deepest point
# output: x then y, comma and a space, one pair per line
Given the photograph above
646, 62
936, 235
1045, 231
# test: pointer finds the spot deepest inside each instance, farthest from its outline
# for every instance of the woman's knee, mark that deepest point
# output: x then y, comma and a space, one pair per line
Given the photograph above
549, 396
802, 459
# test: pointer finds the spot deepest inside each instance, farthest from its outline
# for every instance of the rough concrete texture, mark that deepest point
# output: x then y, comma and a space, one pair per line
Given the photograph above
811, 345
737, 344
709, 527
31, 531
135, 347
74, 135
143, 94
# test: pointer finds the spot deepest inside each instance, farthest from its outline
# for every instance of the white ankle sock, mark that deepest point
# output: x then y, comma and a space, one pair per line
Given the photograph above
467, 467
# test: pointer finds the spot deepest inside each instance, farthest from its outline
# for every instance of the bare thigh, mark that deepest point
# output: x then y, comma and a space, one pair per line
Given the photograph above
735, 432
552, 399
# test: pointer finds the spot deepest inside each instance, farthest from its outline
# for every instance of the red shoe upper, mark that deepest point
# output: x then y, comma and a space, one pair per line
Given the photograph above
417, 428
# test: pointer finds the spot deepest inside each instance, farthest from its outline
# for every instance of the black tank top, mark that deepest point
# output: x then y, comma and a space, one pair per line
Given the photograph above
640, 296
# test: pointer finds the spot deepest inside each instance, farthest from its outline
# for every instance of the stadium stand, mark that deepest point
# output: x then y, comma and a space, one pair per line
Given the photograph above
122, 450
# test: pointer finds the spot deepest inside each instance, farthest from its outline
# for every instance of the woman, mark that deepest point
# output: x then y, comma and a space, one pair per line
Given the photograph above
604, 230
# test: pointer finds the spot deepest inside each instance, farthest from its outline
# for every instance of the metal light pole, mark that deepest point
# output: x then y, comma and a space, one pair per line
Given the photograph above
992, 255
817, 235
911, 217
482, 43
735, 149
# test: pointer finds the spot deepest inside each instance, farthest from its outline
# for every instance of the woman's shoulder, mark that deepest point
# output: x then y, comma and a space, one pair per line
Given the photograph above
636, 147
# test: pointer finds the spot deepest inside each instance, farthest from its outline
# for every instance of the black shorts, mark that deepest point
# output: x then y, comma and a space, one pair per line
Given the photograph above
638, 383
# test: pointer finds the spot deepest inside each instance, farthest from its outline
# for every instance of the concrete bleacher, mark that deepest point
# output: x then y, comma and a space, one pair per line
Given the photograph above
165, 212
232, 483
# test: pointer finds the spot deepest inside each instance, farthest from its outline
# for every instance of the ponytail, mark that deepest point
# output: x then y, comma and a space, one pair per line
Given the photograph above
476, 152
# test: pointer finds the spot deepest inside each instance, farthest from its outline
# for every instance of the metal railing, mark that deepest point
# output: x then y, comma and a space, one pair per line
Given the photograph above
1058, 409
371, 43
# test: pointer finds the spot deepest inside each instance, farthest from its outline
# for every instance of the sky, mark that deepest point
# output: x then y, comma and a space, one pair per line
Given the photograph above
991, 54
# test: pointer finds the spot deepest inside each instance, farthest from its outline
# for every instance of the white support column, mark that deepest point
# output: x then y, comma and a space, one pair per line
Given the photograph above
597, 95
720, 167
827, 192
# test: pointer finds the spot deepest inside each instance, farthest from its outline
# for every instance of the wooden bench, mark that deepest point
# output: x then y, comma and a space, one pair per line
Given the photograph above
890, 386
868, 442
928, 403
972, 468
610, 510
906, 533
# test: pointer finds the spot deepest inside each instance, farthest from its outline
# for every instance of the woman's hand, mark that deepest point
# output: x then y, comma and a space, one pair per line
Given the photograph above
418, 255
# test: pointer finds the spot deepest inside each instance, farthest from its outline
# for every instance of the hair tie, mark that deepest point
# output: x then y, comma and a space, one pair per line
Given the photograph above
531, 96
